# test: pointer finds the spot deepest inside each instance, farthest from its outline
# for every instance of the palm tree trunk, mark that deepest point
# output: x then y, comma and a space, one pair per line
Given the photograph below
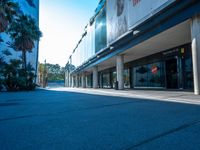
25, 66
24, 59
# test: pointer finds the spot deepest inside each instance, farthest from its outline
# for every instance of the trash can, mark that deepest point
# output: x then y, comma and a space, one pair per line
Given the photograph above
116, 85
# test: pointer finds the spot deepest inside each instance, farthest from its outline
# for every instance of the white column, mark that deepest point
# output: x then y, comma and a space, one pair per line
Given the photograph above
195, 32
95, 77
73, 84
77, 81
83, 78
70, 80
67, 78
120, 71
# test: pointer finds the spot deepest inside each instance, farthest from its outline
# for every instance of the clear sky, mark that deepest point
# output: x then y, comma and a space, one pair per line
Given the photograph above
62, 23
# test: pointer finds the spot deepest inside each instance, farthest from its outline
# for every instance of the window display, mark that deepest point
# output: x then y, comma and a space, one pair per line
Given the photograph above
150, 75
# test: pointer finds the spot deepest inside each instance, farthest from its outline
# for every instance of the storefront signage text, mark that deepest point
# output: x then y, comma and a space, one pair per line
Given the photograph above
174, 51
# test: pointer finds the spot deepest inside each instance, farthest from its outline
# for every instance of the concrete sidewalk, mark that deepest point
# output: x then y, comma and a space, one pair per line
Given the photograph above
172, 96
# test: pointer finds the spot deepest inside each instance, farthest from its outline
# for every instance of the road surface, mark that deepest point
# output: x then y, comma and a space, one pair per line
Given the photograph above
56, 120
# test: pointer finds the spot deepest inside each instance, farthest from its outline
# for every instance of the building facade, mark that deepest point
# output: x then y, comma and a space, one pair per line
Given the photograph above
31, 8
139, 44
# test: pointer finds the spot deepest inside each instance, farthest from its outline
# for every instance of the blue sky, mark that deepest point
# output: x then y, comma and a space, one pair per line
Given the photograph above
62, 23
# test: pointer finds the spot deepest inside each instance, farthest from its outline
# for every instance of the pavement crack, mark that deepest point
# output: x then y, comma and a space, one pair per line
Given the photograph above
182, 127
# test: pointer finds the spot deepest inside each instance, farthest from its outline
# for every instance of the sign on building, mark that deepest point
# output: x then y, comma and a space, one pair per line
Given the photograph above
123, 15
117, 19
140, 10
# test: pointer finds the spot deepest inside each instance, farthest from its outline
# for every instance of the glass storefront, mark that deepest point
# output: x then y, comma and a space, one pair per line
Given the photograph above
149, 75
126, 78
188, 73
89, 81
106, 83
109, 79
171, 69
114, 78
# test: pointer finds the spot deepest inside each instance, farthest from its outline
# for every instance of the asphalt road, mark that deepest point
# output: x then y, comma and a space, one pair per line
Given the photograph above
53, 120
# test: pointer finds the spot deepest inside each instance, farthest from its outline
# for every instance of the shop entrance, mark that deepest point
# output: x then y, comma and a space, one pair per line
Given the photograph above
171, 73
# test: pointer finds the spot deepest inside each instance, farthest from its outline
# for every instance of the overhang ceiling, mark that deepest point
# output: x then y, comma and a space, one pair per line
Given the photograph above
170, 38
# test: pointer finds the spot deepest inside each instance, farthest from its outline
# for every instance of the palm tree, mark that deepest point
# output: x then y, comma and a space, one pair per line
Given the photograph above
24, 32
8, 11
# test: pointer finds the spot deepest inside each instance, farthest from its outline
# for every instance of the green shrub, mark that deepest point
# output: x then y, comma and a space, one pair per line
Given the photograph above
14, 78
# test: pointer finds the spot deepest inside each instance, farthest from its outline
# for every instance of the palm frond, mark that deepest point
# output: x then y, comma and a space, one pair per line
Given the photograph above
6, 52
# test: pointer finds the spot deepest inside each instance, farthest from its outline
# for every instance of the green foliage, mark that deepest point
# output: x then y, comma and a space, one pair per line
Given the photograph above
69, 67
1, 40
2, 63
6, 52
24, 32
14, 78
54, 71
8, 11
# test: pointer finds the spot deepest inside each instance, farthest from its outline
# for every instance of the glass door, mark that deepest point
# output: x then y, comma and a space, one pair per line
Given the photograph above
171, 73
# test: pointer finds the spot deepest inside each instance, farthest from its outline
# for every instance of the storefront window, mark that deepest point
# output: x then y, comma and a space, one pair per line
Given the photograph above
89, 80
150, 75
188, 73
126, 78
106, 80
140, 79
156, 77
114, 78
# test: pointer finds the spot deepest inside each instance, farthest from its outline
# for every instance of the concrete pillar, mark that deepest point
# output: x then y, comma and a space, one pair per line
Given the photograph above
83, 78
95, 77
73, 84
195, 32
67, 78
77, 81
120, 71
70, 80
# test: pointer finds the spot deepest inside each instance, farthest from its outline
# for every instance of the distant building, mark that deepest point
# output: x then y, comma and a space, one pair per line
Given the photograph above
28, 7
141, 44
